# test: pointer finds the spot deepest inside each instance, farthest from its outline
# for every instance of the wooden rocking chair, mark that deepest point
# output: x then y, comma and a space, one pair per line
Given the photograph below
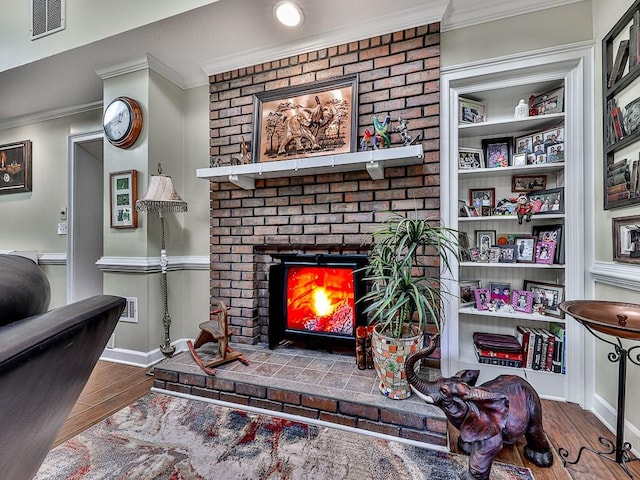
215, 330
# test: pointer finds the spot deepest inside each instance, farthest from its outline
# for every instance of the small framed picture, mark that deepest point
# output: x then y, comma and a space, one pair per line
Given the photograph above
123, 193
525, 249
471, 111
500, 292
497, 152
549, 102
519, 159
547, 201
485, 239
523, 145
528, 183
481, 296
474, 253
551, 233
546, 297
469, 158
466, 291
494, 254
626, 239
522, 301
482, 197
508, 253
545, 252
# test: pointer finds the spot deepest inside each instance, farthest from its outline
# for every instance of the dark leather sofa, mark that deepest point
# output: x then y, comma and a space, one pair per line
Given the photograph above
46, 358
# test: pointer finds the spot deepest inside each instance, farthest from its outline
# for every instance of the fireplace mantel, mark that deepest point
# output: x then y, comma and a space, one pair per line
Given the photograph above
374, 161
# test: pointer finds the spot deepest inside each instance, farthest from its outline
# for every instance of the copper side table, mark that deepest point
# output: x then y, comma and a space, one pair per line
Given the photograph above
620, 321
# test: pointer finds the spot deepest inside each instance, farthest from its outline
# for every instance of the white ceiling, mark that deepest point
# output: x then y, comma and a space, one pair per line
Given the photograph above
222, 36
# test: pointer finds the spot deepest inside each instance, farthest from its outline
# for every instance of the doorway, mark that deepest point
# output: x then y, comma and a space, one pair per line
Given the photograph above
85, 216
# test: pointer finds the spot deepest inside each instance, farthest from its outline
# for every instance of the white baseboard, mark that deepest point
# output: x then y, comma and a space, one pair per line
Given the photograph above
140, 359
607, 415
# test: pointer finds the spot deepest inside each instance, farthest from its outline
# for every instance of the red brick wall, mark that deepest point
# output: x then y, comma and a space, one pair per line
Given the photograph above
397, 73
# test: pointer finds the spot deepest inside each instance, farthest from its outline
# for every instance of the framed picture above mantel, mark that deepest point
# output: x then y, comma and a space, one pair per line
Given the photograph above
305, 121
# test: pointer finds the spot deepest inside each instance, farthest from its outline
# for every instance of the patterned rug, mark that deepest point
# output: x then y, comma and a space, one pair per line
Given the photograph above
173, 438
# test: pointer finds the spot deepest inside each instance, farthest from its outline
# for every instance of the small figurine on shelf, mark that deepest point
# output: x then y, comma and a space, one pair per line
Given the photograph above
533, 111
365, 143
214, 162
522, 109
381, 131
403, 130
244, 158
524, 208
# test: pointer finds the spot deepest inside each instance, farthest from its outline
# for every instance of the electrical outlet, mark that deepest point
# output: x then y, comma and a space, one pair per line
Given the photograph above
63, 228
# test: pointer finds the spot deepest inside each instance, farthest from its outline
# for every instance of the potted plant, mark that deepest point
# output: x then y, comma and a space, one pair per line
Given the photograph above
405, 292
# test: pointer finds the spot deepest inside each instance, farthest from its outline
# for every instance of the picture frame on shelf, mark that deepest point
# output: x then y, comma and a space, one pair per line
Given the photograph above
547, 202
482, 197
485, 239
470, 158
549, 102
631, 117
519, 159
551, 233
522, 301
123, 193
471, 111
481, 296
467, 288
626, 239
508, 253
528, 183
497, 152
546, 297
500, 291
525, 248
523, 144
494, 254
545, 252
15, 167
318, 108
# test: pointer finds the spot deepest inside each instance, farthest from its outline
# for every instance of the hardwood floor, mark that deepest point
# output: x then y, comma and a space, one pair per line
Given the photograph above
113, 386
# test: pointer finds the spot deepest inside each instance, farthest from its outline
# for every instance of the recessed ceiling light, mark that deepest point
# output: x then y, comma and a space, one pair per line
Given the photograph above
288, 13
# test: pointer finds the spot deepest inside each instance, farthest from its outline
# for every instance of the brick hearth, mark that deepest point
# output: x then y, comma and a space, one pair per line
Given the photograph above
312, 384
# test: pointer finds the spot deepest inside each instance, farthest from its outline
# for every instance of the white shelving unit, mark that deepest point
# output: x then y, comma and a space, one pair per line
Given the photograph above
499, 86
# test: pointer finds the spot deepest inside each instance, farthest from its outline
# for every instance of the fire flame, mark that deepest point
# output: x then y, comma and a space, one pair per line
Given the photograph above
321, 303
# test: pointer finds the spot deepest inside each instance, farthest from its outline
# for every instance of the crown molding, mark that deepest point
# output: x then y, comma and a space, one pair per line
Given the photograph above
50, 115
148, 62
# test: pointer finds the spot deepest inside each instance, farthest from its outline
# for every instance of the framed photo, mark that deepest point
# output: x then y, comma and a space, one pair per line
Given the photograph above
528, 183
497, 152
519, 159
522, 301
549, 102
467, 288
494, 254
471, 111
626, 239
306, 120
546, 297
15, 167
508, 253
500, 292
523, 145
551, 233
469, 158
525, 249
547, 201
123, 188
481, 296
482, 197
485, 239
545, 252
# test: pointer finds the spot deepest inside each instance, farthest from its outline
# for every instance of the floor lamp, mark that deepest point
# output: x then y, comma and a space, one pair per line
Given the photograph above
162, 197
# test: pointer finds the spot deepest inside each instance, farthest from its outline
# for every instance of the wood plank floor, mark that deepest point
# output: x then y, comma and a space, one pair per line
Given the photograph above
113, 386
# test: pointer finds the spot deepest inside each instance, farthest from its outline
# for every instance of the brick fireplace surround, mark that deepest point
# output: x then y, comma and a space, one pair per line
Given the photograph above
398, 73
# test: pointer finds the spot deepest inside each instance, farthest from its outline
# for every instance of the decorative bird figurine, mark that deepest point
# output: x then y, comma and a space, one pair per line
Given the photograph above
366, 141
382, 129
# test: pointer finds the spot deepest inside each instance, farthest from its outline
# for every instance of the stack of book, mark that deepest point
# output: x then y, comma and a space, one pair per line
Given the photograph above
498, 349
543, 348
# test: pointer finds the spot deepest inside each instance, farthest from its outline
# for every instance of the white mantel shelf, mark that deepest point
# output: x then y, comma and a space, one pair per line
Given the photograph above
374, 161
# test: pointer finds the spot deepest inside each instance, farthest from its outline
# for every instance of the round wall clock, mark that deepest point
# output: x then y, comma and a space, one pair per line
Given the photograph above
122, 122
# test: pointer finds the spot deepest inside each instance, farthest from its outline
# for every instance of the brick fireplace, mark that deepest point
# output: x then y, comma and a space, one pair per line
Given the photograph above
398, 73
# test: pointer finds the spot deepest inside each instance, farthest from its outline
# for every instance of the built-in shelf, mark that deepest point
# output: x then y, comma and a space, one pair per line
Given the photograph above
373, 161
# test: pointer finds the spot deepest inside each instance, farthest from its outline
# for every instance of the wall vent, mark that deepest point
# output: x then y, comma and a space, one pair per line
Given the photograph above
130, 313
47, 16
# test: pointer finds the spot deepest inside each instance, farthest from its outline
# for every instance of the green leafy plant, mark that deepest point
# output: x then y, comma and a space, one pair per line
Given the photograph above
406, 293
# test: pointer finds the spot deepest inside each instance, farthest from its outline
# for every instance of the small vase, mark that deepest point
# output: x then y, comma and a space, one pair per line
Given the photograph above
389, 357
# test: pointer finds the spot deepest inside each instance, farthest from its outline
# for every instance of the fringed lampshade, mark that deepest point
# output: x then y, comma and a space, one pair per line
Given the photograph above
162, 197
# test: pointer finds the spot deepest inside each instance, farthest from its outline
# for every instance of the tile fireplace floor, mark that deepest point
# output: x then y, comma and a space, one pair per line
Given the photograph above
310, 383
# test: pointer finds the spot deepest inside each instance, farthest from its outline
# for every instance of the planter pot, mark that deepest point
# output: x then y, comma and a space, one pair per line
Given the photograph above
389, 357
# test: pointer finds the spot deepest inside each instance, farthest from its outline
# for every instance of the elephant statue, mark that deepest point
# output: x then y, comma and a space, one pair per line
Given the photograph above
488, 416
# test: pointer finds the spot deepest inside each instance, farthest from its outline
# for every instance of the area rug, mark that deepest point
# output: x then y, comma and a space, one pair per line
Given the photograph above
173, 438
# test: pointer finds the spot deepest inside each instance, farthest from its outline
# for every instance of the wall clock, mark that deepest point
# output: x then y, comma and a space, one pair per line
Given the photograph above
122, 122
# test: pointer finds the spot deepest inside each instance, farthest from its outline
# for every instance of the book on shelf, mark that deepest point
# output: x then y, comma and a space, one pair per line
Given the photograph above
483, 352
635, 39
560, 347
502, 362
619, 63
497, 342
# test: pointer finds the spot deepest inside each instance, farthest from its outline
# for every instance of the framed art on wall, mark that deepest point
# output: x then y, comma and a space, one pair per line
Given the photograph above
15, 167
123, 188
626, 239
307, 120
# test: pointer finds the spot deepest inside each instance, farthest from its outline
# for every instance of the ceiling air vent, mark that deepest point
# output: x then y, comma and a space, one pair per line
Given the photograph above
47, 16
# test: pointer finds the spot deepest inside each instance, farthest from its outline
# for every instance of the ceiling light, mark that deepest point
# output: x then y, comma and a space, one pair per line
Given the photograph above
288, 13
